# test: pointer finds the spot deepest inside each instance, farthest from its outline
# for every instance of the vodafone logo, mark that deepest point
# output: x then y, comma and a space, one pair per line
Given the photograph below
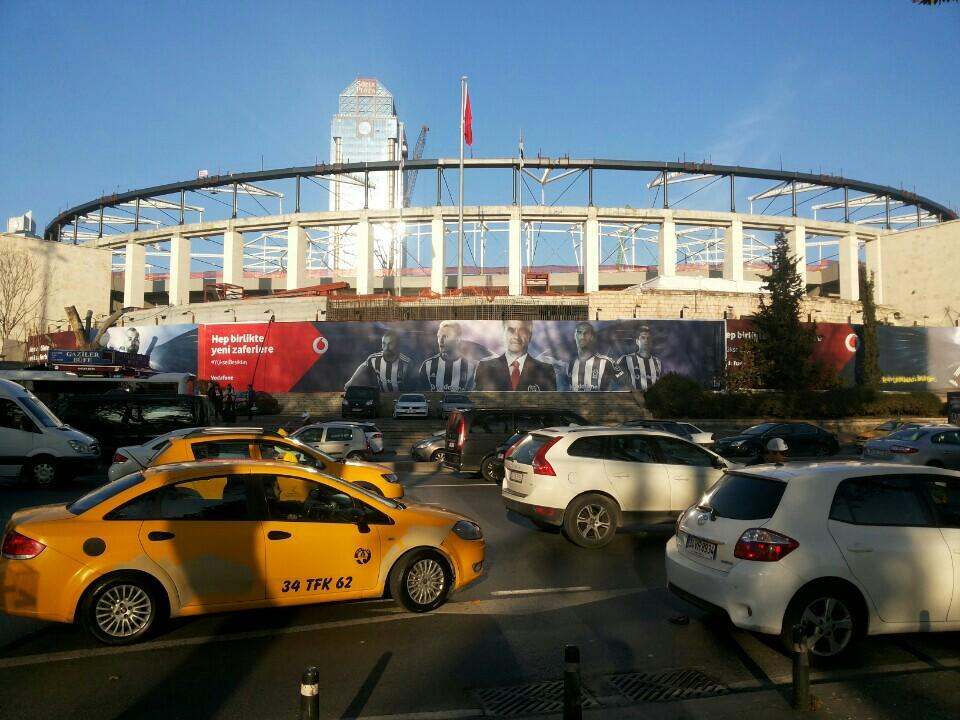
851, 342
320, 345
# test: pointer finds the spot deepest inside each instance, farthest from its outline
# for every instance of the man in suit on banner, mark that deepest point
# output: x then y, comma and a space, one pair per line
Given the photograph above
515, 369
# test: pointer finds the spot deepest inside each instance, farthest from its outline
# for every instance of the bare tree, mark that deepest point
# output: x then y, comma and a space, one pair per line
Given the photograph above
20, 293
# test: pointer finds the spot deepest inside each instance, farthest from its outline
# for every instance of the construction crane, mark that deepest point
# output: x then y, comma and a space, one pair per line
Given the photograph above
410, 176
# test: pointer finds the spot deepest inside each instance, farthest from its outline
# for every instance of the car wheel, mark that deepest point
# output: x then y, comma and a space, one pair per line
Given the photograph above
488, 469
830, 617
436, 456
121, 610
420, 581
42, 472
591, 520
369, 487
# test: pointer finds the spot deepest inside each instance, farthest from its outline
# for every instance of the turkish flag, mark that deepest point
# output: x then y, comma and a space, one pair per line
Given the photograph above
467, 122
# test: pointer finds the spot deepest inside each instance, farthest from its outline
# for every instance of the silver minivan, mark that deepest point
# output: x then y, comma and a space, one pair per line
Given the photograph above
35, 444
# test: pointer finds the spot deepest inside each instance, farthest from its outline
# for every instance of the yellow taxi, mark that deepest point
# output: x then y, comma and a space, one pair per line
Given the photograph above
255, 444
219, 535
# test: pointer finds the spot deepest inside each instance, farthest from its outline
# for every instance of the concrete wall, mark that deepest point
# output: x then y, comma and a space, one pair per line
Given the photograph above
920, 272
66, 275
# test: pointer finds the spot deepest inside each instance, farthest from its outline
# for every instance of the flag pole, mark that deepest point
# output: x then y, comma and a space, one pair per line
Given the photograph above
463, 109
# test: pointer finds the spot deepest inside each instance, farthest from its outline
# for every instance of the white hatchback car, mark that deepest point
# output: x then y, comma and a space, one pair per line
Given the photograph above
841, 549
592, 480
411, 405
337, 439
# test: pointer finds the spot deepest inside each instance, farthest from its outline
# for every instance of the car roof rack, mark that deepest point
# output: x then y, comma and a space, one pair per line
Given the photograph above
196, 432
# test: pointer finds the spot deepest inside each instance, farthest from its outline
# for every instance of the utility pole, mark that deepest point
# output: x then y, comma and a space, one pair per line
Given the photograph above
463, 109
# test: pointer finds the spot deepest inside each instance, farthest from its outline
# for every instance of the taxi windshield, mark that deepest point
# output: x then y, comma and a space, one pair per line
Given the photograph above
105, 492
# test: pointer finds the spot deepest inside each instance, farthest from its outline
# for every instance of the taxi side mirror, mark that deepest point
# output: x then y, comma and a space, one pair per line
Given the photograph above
719, 464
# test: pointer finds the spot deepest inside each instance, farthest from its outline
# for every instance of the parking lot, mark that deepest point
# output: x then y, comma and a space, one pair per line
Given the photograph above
539, 593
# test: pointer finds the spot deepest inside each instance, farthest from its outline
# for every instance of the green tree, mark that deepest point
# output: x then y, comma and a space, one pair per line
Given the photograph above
785, 344
868, 359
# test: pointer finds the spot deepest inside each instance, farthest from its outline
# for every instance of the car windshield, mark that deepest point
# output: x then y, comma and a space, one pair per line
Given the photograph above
456, 399
105, 492
360, 393
908, 435
40, 411
411, 398
759, 429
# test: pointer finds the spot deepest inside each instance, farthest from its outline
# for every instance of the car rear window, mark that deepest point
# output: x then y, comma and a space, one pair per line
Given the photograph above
528, 448
95, 497
745, 497
908, 435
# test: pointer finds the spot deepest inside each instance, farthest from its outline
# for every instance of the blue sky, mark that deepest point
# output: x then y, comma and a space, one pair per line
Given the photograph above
100, 97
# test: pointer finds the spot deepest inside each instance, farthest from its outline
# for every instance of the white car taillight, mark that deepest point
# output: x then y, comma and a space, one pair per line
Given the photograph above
763, 545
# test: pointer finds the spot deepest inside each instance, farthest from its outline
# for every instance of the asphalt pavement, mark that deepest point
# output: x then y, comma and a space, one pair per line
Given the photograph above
494, 647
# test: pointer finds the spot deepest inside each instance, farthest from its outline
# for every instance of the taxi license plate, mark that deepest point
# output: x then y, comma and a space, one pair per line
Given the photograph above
701, 548
516, 477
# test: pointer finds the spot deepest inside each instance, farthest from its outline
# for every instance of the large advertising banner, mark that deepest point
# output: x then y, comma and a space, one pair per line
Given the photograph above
168, 348
836, 347
511, 355
915, 358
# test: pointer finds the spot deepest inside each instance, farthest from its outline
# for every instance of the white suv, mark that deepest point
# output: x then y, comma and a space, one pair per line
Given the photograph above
591, 480
842, 549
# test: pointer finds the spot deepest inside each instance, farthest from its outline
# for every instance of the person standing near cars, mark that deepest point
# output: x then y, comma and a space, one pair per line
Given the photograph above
515, 369
643, 368
448, 369
775, 452
216, 398
250, 400
590, 371
229, 404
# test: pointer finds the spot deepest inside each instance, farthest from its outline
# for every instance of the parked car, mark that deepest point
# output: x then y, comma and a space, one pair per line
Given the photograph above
250, 444
454, 401
336, 439
119, 418
430, 449
590, 481
411, 405
213, 536
474, 435
842, 549
493, 470
882, 430
682, 429
35, 444
933, 445
360, 401
373, 434
803, 440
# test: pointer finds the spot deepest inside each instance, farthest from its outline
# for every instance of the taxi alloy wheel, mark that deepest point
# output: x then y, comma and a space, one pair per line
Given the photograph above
421, 581
121, 610
591, 521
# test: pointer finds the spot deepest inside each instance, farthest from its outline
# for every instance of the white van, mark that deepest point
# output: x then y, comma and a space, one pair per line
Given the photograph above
34, 443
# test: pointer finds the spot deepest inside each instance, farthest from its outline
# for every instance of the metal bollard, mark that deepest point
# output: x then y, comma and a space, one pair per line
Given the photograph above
310, 694
572, 708
801, 670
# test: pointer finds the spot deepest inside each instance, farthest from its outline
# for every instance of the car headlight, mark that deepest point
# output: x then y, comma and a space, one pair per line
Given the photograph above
390, 477
468, 530
369, 402
737, 443
78, 446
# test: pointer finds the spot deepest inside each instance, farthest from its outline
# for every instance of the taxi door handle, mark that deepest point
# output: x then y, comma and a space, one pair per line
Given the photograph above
158, 535
278, 535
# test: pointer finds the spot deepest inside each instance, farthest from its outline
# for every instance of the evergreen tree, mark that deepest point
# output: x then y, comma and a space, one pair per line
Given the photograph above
868, 359
785, 345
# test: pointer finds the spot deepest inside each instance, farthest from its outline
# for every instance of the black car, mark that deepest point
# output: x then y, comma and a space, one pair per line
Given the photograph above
360, 401
474, 435
117, 419
493, 470
803, 440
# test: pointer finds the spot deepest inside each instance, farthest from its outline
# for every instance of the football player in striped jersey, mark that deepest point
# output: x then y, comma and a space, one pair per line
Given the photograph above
643, 368
389, 369
448, 369
590, 371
